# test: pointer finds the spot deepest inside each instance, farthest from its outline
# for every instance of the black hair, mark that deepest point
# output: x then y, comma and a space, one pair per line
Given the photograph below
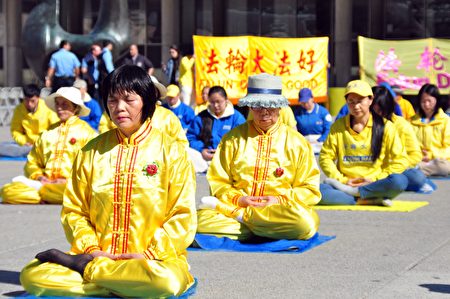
433, 91
377, 133
131, 78
107, 42
31, 90
217, 89
383, 98
176, 48
63, 43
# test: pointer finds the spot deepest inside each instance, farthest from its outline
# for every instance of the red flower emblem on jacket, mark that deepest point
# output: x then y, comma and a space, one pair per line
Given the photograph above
279, 172
150, 169
72, 140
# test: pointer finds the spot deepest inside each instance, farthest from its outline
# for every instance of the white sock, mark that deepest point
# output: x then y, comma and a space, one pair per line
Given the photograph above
353, 191
29, 182
208, 202
239, 217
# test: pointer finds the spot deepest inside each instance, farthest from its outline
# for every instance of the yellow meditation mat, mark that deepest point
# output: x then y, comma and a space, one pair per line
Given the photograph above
397, 206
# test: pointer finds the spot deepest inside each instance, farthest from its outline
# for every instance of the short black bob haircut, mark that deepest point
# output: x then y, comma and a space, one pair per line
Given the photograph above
131, 79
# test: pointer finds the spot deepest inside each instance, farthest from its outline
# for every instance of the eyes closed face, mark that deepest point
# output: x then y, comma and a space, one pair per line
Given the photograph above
265, 118
126, 110
428, 103
64, 108
358, 105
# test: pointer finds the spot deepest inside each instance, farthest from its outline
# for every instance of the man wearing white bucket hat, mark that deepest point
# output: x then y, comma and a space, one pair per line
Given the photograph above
264, 177
50, 161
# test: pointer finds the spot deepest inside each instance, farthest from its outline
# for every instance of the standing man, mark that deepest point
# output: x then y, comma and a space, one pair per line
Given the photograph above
62, 68
107, 57
134, 58
90, 68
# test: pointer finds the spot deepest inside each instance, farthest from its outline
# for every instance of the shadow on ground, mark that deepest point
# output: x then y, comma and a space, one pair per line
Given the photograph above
437, 287
11, 277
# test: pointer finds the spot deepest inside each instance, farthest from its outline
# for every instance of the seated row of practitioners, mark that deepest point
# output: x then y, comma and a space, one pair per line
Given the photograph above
142, 178
129, 206
219, 117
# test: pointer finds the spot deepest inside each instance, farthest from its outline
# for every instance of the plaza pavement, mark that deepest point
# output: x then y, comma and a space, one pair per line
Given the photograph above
374, 255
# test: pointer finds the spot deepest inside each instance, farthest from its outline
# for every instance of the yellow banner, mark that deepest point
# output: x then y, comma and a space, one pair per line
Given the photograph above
408, 64
228, 61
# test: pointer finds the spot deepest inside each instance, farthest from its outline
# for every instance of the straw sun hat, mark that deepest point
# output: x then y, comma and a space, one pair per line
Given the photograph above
69, 93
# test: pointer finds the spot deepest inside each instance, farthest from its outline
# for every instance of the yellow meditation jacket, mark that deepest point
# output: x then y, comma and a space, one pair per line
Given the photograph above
407, 109
131, 195
279, 162
409, 140
434, 136
55, 150
26, 126
347, 154
163, 119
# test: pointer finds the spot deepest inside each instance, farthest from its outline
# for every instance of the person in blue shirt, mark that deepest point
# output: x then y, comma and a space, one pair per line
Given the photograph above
90, 68
63, 67
107, 56
93, 119
313, 121
209, 126
184, 113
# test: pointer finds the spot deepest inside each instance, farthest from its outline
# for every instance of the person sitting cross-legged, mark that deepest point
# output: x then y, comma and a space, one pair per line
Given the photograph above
30, 119
50, 161
208, 128
432, 128
129, 207
363, 157
263, 177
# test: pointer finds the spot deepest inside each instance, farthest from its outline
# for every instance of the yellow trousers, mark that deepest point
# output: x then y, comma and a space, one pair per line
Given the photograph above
278, 221
105, 277
19, 193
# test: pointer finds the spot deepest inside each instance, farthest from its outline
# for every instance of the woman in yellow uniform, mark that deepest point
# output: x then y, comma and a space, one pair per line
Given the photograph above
363, 157
163, 119
432, 127
50, 161
263, 176
129, 207
383, 104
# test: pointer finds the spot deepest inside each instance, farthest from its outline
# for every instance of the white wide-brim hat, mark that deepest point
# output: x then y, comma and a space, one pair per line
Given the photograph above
264, 91
161, 88
72, 94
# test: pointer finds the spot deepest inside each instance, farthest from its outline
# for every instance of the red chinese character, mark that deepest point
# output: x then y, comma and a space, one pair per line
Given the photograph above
283, 66
212, 68
237, 62
257, 60
302, 61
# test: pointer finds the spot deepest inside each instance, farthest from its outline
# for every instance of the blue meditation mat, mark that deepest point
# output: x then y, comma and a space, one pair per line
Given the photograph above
189, 292
5, 158
427, 188
213, 243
